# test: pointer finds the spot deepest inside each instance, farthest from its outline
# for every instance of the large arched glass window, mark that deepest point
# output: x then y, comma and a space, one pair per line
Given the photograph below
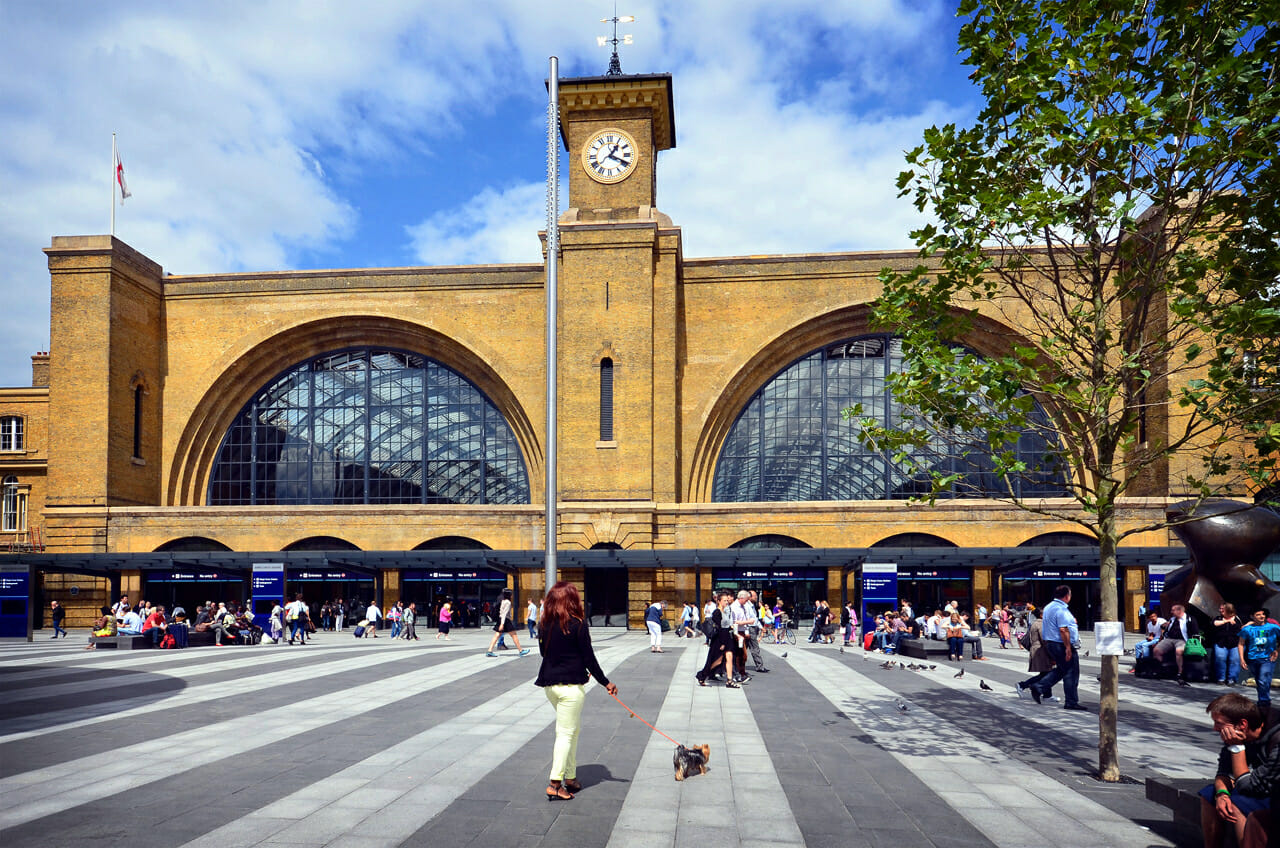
369, 426
791, 443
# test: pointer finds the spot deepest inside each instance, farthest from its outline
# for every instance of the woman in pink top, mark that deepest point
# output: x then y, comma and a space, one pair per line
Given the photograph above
446, 620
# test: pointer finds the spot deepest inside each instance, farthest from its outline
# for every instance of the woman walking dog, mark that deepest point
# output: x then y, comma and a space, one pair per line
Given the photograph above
567, 657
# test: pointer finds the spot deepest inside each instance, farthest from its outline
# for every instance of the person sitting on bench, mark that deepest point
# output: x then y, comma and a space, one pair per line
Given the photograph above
1181, 628
155, 626
1248, 767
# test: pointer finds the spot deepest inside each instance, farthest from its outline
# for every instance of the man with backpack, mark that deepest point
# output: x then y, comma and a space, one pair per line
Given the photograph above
295, 616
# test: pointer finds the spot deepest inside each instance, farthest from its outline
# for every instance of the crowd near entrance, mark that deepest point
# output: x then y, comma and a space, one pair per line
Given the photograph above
190, 589
797, 588
473, 593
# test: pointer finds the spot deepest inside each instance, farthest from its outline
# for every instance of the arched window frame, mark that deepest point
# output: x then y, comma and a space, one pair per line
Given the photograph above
321, 415
606, 400
13, 505
790, 441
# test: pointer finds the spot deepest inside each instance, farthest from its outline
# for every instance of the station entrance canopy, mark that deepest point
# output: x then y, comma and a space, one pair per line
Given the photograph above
1005, 561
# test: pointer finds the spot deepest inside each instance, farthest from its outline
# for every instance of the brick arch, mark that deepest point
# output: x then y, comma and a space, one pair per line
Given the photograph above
241, 376
987, 337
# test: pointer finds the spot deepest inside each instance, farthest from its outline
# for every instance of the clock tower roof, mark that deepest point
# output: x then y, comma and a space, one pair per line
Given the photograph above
621, 91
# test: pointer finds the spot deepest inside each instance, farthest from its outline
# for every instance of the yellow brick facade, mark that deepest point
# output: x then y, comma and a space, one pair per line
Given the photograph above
690, 341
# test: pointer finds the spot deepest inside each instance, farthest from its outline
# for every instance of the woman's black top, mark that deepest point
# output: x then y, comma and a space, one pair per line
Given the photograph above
567, 657
1227, 635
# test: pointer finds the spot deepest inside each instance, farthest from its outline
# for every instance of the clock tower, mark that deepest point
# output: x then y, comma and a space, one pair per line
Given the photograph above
619, 273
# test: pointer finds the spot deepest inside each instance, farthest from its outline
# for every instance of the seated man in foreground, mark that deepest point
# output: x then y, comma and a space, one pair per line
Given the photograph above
1248, 767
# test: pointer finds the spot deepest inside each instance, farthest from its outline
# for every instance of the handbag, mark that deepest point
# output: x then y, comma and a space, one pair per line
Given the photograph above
1195, 648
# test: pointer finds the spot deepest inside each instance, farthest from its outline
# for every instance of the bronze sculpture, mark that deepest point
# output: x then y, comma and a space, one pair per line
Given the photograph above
1228, 542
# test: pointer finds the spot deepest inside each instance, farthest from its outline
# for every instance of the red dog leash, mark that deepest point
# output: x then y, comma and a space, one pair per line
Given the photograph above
634, 714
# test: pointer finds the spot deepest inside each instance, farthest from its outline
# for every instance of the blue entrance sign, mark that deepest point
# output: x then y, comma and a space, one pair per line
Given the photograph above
879, 591
267, 587
1155, 582
15, 602
433, 575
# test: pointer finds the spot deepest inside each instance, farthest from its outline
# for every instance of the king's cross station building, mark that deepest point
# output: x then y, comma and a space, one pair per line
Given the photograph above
380, 434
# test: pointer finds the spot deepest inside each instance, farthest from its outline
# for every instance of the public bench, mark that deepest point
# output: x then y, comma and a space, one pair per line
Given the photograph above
1181, 795
922, 649
136, 643
1196, 670
125, 643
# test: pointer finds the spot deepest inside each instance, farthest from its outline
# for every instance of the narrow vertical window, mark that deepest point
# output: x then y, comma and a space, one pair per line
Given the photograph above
606, 400
13, 507
137, 421
11, 433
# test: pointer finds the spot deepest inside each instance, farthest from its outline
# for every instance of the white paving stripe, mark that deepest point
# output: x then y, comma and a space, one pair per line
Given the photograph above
225, 661
114, 658
47, 791
25, 727
410, 783
1151, 701
1149, 749
742, 776
993, 792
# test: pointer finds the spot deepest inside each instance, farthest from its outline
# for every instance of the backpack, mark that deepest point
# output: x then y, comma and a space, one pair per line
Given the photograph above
168, 641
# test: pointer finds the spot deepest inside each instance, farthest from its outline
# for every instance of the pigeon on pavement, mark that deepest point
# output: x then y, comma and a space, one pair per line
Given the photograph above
901, 705
982, 684
959, 673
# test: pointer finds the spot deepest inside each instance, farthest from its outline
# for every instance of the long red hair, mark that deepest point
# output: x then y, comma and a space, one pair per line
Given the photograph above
563, 604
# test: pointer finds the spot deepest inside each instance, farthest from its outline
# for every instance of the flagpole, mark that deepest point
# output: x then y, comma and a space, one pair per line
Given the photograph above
553, 256
114, 154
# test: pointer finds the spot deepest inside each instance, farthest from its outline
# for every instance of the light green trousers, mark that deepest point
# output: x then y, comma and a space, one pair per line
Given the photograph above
567, 701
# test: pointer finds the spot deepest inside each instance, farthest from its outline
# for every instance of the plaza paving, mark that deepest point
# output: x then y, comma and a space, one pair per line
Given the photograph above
377, 743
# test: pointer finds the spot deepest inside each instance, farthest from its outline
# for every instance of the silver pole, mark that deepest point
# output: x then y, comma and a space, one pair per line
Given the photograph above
553, 255
113, 183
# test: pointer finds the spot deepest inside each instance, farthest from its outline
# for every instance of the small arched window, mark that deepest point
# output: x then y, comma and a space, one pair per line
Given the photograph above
137, 421
13, 506
606, 400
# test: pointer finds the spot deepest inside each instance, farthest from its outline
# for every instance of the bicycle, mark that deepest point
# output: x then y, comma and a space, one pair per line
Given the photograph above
785, 632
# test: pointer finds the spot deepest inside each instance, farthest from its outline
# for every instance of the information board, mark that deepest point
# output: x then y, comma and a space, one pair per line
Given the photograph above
879, 591
15, 602
267, 587
1156, 575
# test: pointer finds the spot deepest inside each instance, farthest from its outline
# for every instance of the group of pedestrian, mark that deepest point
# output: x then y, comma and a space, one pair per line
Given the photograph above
735, 634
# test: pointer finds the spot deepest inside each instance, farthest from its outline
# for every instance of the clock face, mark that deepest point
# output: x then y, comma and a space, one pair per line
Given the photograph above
609, 156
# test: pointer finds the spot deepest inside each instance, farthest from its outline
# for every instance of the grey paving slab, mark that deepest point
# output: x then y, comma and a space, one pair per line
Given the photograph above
816, 743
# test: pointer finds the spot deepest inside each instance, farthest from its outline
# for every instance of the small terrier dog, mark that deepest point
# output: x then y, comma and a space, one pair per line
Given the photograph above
691, 761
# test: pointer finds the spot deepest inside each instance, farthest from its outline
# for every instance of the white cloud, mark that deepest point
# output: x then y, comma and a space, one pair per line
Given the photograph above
247, 126
495, 226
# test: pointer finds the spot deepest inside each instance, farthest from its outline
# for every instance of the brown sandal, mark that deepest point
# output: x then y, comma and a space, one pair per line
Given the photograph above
556, 791
573, 785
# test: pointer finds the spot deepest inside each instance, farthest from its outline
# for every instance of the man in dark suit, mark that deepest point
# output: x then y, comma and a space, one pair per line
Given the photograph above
1181, 628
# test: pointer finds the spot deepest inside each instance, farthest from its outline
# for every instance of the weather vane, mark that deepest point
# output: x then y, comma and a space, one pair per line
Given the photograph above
615, 67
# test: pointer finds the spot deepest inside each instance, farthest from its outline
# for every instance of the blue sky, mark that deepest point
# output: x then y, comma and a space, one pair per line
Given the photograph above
308, 134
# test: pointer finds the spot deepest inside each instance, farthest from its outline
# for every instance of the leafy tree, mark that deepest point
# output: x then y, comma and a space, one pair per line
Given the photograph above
1117, 203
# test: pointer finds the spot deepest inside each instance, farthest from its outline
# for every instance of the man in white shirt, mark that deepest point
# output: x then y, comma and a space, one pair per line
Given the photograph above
740, 619
753, 631
294, 614
121, 607
130, 624
374, 615
1181, 628
1155, 632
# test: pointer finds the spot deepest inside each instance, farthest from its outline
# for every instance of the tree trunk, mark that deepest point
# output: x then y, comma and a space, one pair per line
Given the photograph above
1108, 700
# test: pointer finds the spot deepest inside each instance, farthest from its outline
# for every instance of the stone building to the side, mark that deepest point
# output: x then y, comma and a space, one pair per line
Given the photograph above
382, 431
